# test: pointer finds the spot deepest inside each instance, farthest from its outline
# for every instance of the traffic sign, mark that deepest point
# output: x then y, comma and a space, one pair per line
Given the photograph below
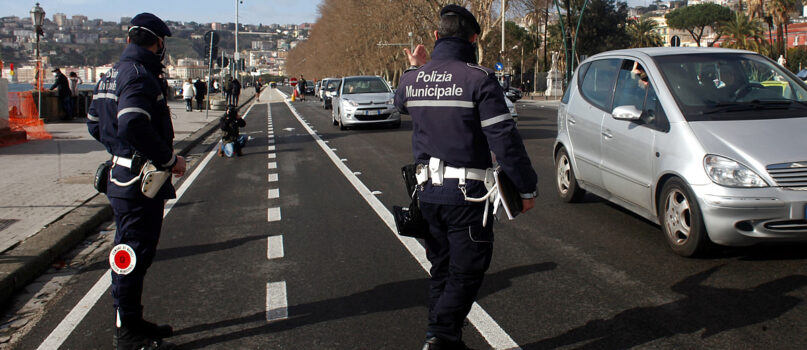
499, 66
293, 81
122, 259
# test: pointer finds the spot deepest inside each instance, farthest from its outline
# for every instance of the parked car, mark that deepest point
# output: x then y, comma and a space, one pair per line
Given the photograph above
321, 88
363, 100
512, 107
698, 140
513, 94
329, 91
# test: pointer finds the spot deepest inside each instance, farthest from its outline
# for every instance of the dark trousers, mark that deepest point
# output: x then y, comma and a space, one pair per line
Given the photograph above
200, 103
138, 225
460, 250
67, 106
189, 104
234, 99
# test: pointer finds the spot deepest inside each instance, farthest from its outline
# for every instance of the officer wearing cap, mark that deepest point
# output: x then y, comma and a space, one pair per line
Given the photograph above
130, 116
459, 117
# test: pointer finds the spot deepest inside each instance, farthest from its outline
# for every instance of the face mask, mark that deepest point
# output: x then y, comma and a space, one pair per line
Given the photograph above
161, 52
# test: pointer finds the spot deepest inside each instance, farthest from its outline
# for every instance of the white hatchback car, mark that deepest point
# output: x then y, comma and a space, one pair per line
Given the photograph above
709, 143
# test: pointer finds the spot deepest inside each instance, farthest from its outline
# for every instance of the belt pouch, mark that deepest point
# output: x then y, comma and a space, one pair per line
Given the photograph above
152, 180
102, 176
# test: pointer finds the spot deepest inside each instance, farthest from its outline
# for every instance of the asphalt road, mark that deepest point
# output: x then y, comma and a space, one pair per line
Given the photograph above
569, 276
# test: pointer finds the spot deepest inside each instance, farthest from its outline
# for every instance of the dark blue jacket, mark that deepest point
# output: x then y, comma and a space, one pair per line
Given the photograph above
459, 115
129, 113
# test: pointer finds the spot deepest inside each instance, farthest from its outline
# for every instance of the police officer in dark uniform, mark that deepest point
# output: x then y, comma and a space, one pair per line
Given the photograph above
459, 117
130, 116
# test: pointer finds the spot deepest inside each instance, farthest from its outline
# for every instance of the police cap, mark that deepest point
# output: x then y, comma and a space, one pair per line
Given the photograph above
464, 13
151, 24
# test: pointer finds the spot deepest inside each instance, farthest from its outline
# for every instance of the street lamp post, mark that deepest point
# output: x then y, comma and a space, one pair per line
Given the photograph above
38, 17
236, 55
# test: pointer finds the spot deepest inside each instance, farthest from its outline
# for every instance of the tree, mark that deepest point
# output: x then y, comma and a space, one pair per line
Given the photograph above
694, 19
603, 27
744, 33
780, 11
643, 33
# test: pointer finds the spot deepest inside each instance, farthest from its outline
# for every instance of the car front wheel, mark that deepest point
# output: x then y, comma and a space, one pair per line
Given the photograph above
567, 185
681, 220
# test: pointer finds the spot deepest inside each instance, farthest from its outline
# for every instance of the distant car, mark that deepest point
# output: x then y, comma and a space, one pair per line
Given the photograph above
512, 107
708, 143
329, 90
364, 100
513, 94
273, 85
320, 92
309, 89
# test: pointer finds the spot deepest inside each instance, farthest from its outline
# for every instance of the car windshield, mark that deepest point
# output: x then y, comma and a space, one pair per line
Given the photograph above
364, 86
332, 84
724, 86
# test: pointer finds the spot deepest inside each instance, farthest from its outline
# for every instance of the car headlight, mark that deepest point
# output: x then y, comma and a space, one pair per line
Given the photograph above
391, 101
513, 110
352, 103
726, 172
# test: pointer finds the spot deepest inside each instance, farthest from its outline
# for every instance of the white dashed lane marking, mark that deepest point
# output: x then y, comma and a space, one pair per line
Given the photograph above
274, 193
272, 177
272, 165
274, 247
271, 148
277, 306
274, 214
272, 155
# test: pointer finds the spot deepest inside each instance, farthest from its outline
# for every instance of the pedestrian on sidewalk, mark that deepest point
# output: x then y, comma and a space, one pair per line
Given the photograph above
301, 88
75, 81
458, 138
258, 87
227, 89
231, 141
236, 91
201, 92
188, 92
129, 114
65, 97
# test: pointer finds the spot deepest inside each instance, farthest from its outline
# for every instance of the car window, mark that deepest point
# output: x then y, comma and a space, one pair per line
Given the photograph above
598, 83
364, 86
631, 85
653, 114
731, 85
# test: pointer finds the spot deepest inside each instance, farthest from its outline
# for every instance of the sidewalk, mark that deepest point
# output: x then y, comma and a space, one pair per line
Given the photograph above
42, 181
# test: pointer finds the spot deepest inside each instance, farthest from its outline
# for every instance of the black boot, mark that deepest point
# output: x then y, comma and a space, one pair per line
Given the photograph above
131, 339
434, 343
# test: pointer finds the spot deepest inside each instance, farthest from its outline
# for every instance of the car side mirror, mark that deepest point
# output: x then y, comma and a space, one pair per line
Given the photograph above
629, 113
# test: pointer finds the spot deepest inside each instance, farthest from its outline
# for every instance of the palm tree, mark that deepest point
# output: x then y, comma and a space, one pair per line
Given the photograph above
643, 33
780, 9
744, 33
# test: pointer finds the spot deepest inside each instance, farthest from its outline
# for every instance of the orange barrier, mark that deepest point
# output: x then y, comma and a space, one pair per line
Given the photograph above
22, 115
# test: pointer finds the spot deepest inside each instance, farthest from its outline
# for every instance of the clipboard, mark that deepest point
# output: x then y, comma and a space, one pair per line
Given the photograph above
507, 195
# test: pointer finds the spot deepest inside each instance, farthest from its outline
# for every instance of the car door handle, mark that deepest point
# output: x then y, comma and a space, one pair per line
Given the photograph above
607, 134
571, 120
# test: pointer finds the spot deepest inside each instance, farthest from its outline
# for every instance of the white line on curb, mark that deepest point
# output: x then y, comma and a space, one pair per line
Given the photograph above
277, 306
481, 320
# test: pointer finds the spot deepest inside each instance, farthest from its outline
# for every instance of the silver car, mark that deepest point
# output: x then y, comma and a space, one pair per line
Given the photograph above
708, 143
364, 100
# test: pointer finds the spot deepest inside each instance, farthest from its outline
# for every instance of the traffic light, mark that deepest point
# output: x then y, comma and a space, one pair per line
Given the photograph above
223, 62
211, 37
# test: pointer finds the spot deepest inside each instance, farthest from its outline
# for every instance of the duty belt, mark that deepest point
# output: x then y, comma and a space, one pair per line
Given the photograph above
437, 171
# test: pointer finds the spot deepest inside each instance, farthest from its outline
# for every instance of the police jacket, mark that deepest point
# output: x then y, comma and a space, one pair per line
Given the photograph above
459, 115
129, 114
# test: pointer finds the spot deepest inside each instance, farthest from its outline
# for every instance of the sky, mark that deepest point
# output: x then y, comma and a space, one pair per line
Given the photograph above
200, 11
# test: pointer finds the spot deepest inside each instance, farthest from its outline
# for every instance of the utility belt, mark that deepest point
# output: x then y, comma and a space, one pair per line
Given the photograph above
437, 171
150, 176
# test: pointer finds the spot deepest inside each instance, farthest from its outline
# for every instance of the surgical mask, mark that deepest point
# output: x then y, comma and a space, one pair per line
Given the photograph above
161, 52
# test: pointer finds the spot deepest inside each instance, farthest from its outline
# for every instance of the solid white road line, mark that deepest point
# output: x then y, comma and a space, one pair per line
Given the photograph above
274, 193
272, 165
274, 214
77, 314
277, 306
482, 321
274, 247
272, 177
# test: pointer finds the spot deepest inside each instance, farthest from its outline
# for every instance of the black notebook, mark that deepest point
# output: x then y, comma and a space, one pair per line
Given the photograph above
509, 196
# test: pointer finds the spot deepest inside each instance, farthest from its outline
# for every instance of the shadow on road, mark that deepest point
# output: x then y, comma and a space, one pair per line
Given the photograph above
704, 308
383, 298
